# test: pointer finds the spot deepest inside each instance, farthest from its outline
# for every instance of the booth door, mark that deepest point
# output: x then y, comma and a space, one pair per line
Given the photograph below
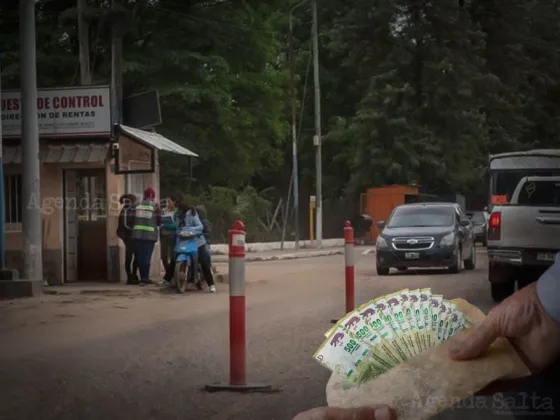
86, 225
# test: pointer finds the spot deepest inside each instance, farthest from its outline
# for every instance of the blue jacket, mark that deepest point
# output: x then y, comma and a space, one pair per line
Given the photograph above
548, 289
193, 222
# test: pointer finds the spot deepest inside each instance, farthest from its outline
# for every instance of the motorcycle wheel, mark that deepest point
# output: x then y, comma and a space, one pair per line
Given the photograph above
180, 277
197, 274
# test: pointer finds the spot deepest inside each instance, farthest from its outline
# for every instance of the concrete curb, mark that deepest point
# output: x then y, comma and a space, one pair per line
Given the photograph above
222, 249
224, 277
292, 256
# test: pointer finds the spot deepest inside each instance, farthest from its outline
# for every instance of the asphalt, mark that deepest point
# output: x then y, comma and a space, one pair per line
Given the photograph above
147, 355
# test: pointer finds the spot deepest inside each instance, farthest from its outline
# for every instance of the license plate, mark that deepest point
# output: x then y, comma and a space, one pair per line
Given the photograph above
546, 256
411, 255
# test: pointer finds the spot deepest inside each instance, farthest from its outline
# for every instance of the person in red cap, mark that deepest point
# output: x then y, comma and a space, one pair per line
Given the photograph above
147, 218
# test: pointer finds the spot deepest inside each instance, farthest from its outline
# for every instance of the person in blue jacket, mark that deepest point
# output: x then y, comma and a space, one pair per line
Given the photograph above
189, 218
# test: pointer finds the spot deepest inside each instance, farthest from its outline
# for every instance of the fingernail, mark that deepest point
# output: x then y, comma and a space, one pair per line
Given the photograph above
382, 413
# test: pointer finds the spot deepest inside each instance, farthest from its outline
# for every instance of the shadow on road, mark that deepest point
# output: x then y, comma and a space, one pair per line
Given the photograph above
420, 272
409, 272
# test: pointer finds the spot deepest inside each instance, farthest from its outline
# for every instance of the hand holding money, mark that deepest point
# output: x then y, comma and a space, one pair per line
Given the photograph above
523, 320
377, 412
395, 350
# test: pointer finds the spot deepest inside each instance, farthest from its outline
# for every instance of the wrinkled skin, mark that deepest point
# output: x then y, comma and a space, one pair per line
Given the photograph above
522, 319
377, 412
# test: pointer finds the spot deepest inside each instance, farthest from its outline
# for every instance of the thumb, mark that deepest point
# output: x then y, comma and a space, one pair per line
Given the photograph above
474, 344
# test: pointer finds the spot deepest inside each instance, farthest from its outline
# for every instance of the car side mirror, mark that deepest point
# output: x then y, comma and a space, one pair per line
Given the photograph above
381, 224
465, 222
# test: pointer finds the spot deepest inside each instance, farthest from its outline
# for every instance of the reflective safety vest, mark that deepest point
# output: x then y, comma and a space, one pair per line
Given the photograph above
145, 225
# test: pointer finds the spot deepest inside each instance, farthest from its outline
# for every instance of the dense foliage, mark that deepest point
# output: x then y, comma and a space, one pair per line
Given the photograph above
413, 91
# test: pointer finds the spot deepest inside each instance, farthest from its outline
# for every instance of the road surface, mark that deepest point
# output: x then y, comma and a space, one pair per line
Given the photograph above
147, 355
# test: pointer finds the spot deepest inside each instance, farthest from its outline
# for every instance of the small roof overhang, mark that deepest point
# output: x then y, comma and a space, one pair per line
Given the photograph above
67, 153
154, 140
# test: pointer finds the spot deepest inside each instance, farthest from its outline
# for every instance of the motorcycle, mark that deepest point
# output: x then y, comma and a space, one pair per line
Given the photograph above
187, 266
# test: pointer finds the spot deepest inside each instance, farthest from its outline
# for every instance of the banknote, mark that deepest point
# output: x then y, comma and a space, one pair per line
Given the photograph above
436, 311
415, 306
342, 353
374, 317
394, 315
358, 327
407, 302
349, 357
387, 331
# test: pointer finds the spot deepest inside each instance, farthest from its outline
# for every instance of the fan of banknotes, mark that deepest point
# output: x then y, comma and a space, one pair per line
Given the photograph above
388, 331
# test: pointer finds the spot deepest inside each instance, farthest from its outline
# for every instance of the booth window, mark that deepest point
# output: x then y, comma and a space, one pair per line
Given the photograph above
12, 202
137, 183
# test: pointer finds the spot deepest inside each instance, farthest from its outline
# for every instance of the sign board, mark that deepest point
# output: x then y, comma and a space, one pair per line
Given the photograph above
81, 111
142, 110
312, 201
498, 199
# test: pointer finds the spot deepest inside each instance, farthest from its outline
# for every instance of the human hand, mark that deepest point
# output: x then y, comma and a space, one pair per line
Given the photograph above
374, 412
522, 319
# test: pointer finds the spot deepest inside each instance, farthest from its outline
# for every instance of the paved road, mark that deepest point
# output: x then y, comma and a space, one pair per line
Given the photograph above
147, 356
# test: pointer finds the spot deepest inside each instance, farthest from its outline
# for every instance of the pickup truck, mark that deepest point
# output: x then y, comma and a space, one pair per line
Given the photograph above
524, 235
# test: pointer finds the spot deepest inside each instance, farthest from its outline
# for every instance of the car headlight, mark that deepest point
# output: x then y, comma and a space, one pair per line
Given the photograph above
381, 243
447, 240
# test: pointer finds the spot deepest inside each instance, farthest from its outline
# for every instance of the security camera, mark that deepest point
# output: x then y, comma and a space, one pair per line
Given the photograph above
115, 146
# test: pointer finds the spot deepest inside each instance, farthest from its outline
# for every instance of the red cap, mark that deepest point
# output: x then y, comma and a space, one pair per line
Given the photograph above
149, 193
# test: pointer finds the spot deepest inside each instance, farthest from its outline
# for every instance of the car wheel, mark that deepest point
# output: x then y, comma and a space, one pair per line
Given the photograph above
383, 271
470, 263
456, 267
501, 291
502, 284
402, 268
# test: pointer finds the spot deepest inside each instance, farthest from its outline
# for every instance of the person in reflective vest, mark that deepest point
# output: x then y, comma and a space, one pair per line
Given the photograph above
147, 218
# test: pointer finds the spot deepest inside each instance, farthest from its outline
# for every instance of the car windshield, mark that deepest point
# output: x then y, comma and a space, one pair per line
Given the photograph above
477, 217
421, 217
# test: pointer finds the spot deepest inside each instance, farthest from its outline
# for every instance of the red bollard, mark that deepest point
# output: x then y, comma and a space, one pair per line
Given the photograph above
350, 292
236, 270
237, 311
349, 266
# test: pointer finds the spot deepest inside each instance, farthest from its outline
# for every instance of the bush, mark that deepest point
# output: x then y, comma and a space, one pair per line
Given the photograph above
225, 205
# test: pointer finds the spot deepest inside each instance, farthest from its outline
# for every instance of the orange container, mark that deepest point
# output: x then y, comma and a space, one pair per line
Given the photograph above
380, 202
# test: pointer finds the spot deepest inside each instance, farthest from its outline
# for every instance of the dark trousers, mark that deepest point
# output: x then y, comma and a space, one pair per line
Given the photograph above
167, 245
206, 264
130, 262
536, 396
144, 251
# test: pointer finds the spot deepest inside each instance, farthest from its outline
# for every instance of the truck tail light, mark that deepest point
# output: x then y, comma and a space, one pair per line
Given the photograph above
494, 226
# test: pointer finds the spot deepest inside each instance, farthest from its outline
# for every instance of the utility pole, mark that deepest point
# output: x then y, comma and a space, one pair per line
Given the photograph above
32, 240
295, 179
83, 40
116, 62
317, 138
2, 197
